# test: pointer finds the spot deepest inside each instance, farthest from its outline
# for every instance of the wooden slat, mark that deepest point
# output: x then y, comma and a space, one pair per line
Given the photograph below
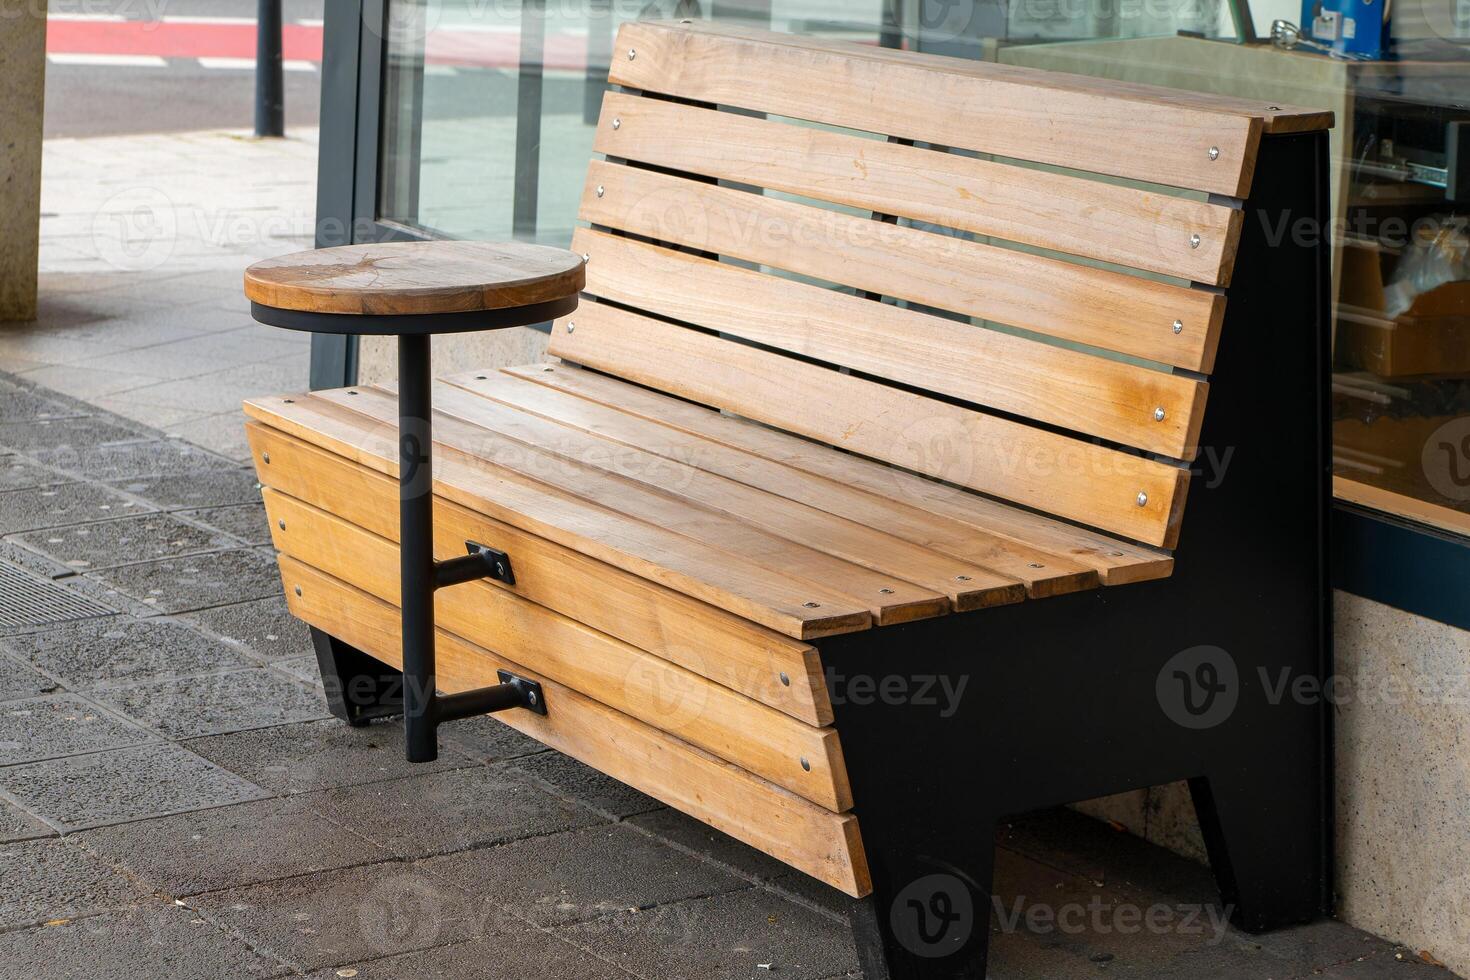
889, 599
1122, 225
825, 845
894, 598
1118, 562
968, 586
1105, 309
1093, 395
1120, 493
726, 580
804, 759
751, 659
1044, 573
1134, 131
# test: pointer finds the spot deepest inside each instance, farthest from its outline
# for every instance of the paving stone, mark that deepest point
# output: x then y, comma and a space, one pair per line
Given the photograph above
336, 917
504, 955
720, 936
147, 537
55, 879
18, 680
568, 777
102, 652
582, 874
124, 784
60, 724
245, 521
178, 584
16, 824
68, 435
154, 940
209, 704
125, 460
488, 739
320, 755
451, 811
512, 951
72, 503
18, 403
187, 491
263, 627
19, 473
697, 837
303, 669
232, 846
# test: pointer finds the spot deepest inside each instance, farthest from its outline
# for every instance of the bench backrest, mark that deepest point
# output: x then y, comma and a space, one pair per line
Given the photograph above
946, 273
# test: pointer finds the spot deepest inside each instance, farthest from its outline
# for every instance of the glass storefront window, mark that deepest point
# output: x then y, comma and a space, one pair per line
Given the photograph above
489, 111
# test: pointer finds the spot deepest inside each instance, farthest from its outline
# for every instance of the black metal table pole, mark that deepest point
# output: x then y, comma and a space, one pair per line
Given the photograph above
416, 544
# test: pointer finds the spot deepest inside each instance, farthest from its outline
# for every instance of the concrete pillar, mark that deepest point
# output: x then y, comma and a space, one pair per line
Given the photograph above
22, 96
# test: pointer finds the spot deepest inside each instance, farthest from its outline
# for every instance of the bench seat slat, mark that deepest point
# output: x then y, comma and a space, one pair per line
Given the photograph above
814, 840
659, 693
751, 660
968, 585
1105, 309
1122, 225
890, 599
1118, 562
1083, 123
1108, 489
726, 580
1093, 395
1044, 573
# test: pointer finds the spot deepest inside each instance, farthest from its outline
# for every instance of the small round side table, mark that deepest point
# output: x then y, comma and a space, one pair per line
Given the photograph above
413, 290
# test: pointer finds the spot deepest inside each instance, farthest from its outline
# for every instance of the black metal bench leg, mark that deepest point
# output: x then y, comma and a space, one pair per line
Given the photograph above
1265, 838
929, 914
358, 687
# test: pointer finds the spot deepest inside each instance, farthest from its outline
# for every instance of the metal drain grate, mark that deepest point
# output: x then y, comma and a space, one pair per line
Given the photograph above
29, 600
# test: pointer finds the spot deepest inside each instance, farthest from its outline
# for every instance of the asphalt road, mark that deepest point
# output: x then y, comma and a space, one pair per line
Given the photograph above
86, 96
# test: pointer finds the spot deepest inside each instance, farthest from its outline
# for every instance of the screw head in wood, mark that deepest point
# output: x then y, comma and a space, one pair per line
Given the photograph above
785, 681
298, 590
962, 578
1178, 326
632, 53
265, 458
1037, 564
1194, 241
806, 765
1115, 554
885, 592
600, 190
571, 327
1159, 414
1142, 499
281, 524
586, 257
617, 123
1214, 153
812, 605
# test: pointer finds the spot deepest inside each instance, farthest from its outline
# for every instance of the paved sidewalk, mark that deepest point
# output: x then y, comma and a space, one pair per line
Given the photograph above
141, 310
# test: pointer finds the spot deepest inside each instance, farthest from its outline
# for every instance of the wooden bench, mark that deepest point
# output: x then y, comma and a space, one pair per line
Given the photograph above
846, 521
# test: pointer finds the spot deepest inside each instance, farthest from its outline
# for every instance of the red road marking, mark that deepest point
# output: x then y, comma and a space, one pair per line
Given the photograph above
299, 42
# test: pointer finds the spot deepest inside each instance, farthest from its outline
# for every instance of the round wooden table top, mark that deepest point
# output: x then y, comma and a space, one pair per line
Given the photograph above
415, 278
